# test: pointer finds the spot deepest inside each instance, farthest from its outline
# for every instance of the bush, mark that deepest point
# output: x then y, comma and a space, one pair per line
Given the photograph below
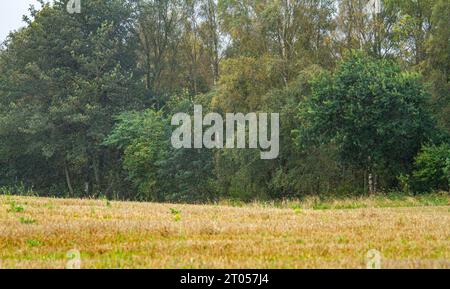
432, 169
142, 136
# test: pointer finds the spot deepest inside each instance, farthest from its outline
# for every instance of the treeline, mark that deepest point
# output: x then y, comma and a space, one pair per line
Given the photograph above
86, 99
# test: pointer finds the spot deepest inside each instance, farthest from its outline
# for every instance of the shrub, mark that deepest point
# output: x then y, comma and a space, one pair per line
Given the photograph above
432, 169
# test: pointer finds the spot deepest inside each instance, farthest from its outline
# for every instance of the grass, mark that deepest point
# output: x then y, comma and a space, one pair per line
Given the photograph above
176, 214
27, 220
34, 243
389, 200
409, 232
15, 208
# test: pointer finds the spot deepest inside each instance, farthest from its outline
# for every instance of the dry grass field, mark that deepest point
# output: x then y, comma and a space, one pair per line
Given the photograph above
38, 233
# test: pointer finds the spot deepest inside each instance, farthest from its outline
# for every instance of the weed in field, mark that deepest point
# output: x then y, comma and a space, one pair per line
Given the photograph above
34, 243
434, 200
27, 220
382, 200
177, 218
176, 214
174, 211
297, 209
300, 242
321, 206
15, 208
49, 206
350, 206
341, 240
106, 200
18, 190
7, 191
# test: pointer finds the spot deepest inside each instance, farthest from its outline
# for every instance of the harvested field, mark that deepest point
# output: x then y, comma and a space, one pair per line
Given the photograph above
38, 233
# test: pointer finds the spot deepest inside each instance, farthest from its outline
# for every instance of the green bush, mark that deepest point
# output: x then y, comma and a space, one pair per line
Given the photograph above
142, 136
432, 169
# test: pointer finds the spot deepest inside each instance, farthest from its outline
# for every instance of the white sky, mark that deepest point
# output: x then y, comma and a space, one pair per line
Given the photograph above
11, 12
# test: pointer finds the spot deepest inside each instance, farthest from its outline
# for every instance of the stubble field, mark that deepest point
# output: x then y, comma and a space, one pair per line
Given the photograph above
39, 233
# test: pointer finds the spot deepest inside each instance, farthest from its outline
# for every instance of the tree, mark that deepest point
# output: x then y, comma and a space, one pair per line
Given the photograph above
412, 29
143, 138
432, 169
150, 160
366, 25
63, 79
375, 114
159, 29
243, 83
211, 35
179, 47
438, 61
294, 34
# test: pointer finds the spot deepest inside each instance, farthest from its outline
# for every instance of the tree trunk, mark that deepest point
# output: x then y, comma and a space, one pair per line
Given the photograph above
375, 183
86, 188
371, 183
69, 184
364, 181
372, 177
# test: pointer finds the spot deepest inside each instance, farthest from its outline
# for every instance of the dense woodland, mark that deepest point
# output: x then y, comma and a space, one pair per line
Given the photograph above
364, 98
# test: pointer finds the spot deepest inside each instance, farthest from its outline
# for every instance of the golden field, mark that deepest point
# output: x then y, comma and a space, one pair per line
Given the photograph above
38, 233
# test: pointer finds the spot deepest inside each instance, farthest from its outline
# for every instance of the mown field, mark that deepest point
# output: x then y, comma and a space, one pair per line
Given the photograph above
408, 232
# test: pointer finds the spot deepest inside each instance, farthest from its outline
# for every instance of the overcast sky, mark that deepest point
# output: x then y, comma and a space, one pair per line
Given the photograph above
11, 12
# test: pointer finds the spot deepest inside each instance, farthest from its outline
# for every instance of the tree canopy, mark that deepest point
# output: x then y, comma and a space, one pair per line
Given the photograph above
86, 98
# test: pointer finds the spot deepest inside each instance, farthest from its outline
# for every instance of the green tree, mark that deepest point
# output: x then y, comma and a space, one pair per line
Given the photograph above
412, 28
438, 61
150, 160
63, 78
432, 169
143, 138
375, 114
159, 29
